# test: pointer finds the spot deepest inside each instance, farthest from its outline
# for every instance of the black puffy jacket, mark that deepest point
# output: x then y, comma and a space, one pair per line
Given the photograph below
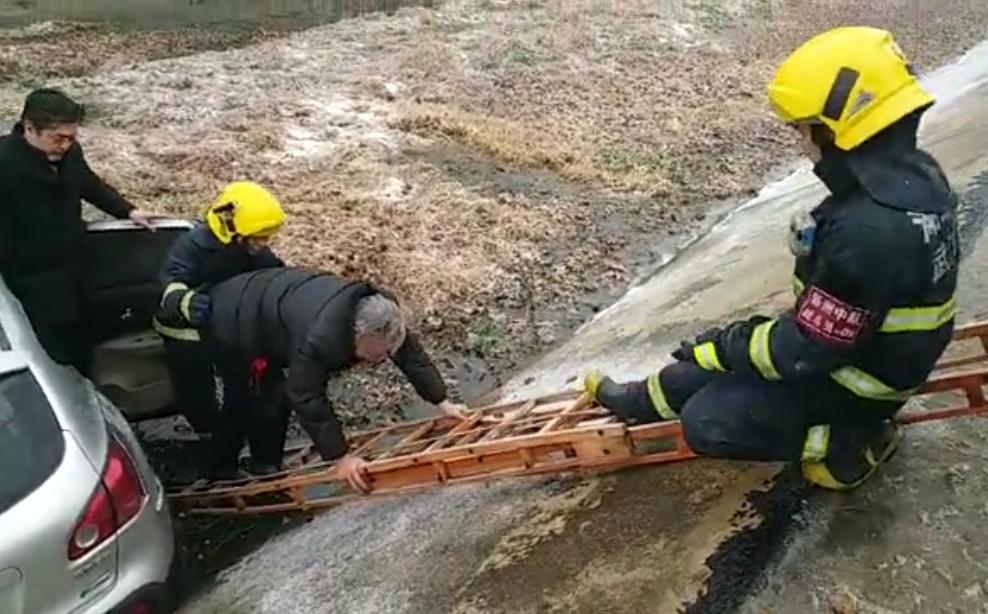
304, 320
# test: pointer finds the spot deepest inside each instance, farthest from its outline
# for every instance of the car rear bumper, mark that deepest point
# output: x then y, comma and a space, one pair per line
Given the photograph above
146, 552
150, 599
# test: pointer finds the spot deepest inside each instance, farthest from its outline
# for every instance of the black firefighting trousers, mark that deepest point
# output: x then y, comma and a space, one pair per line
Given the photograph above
254, 408
191, 370
742, 417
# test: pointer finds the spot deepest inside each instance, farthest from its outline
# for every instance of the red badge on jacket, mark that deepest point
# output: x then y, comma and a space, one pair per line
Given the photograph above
830, 319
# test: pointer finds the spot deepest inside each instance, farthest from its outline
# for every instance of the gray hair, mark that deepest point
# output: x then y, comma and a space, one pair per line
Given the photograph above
379, 316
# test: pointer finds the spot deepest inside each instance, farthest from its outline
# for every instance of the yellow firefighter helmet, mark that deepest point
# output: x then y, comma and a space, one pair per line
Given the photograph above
854, 80
244, 209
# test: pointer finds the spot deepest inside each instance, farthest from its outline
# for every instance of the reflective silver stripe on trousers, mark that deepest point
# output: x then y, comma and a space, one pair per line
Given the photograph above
817, 442
658, 398
867, 386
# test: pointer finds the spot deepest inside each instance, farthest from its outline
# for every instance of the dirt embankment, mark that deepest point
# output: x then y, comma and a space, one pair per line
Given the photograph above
505, 166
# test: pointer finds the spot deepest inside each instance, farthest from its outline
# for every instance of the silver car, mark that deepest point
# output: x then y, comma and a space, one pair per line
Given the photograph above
84, 524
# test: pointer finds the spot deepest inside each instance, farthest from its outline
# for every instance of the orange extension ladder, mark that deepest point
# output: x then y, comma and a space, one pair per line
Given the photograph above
561, 433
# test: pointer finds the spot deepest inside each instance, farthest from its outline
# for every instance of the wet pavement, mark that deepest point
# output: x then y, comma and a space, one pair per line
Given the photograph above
702, 536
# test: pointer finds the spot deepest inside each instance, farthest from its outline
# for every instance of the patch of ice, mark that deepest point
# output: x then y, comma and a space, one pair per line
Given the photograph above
687, 34
394, 190
302, 142
684, 30
323, 126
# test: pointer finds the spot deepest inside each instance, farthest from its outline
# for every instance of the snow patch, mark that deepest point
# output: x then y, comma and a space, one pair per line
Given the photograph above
321, 128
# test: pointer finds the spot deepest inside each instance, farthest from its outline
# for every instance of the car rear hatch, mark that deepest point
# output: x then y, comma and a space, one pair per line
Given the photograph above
48, 486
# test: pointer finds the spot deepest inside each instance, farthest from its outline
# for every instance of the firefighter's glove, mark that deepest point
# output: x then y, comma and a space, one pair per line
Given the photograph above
712, 334
684, 353
710, 349
196, 308
703, 354
687, 349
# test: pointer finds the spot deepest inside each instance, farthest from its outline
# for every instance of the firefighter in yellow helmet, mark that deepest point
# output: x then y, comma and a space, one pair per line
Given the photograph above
875, 276
233, 239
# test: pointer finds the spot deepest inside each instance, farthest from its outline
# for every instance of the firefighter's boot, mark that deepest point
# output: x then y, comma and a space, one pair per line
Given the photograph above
629, 401
843, 458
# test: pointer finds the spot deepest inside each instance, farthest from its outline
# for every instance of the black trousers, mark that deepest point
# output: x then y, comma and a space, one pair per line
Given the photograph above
55, 304
254, 408
744, 417
190, 367
67, 343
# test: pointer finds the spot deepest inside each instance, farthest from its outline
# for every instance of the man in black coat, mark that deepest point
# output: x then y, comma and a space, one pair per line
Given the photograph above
43, 179
312, 324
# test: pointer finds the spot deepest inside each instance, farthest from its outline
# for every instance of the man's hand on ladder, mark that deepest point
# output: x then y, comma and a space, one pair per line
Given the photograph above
353, 470
452, 410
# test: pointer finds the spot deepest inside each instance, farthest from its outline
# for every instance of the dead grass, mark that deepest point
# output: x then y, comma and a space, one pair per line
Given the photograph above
447, 249
605, 93
499, 138
662, 97
75, 50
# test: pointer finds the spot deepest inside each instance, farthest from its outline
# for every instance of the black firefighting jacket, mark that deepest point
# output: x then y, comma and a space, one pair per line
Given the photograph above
196, 261
304, 320
875, 284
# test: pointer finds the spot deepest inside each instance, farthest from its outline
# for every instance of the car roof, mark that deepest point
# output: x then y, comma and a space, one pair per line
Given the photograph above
162, 224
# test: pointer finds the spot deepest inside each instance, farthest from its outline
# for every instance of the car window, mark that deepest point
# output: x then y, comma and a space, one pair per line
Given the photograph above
31, 443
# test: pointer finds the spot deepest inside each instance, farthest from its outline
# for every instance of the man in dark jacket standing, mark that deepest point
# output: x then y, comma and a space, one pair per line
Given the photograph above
312, 324
875, 276
43, 179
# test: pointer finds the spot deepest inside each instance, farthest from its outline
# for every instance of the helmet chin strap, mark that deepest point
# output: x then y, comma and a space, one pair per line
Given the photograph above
225, 213
822, 136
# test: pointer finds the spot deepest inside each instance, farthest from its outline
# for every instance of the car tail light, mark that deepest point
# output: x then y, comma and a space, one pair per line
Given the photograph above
141, 607
117, 499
